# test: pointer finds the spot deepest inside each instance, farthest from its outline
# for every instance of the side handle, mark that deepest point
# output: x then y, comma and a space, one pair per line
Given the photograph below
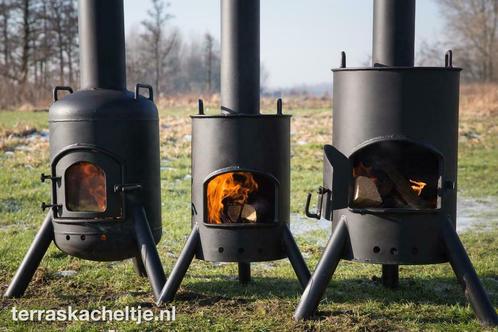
139, 86
55, 93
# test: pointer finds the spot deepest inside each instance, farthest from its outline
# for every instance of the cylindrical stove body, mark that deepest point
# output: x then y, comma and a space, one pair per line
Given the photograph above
417, 106
260, 145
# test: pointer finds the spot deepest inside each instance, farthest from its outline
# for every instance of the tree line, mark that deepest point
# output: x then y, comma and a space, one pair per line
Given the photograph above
471, 30
39, 50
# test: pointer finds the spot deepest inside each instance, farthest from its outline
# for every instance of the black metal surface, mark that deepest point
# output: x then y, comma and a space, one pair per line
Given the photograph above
102, 44
181, 266
296, 258
320, 279
406, 105
390, 276
240, 53
467, 277
394, 33
407, 116
139, 267
256, 143
240, 141
148, 252
121, 134
244, 273
32, 259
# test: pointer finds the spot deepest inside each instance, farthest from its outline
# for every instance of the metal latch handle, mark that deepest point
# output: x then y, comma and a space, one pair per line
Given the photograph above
45, 206
322, 192
124, 188
44, 177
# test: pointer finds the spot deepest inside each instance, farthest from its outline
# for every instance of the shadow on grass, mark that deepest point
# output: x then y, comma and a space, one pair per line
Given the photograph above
435, 291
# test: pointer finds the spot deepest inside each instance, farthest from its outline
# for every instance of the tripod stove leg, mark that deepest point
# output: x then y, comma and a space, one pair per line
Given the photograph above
139, 267
323, 273
180, 268
390, 276
244, 273
467, 277
32, 259
296, 259
148, 251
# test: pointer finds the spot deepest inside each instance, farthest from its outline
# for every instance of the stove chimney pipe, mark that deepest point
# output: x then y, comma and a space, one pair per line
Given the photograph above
102, 44
240, 40
393, 33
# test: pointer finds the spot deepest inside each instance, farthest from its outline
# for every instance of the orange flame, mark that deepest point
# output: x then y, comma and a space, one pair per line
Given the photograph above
86, 188
418, 186
234, 187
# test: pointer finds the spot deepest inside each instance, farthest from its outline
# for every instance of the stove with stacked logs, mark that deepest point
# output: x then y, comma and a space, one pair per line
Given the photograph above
390, 178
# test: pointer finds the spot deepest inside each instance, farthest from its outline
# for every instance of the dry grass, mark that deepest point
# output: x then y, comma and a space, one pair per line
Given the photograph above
479, 100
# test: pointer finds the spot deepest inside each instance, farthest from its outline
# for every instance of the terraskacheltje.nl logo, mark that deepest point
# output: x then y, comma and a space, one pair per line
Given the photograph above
138, 315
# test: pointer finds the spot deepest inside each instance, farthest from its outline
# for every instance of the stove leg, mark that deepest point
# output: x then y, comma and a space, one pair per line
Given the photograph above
467, 277
180, 268
139, 267
32, 259
296, 259
390, 276
323, 273
148, 251
244, 273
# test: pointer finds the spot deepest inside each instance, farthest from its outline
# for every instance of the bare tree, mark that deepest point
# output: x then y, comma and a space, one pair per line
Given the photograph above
157, 43
473, 25
5, 26
209, 58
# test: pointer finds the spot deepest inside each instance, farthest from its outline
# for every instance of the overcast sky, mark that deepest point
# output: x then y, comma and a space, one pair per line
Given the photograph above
301, 40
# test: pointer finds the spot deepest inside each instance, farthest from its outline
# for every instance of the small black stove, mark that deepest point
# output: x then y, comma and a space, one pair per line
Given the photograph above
240, 165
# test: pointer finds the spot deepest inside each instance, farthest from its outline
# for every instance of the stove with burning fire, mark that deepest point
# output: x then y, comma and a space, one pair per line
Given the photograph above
240, 165
104, 147
390, 178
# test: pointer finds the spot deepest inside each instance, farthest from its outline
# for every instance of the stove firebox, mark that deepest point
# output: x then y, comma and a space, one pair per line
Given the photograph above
389, 184
104, 147
240, 165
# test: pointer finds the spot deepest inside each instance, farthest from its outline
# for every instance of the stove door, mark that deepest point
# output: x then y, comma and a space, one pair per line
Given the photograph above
86, 187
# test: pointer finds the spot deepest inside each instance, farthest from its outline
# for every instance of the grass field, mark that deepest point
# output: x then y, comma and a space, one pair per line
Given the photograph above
210, 298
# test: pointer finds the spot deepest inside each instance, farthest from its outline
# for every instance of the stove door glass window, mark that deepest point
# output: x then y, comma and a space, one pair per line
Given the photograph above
85, 188
241, 198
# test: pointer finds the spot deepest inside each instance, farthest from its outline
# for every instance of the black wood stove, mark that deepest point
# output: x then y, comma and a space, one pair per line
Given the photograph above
240, 165
104, 147
389, 182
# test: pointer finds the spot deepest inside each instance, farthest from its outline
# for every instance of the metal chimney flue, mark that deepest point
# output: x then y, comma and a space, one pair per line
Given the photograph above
102, 44
393, 33
240, 56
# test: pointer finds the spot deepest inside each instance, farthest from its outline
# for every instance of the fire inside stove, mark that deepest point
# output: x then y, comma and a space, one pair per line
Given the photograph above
395, 175
86, 188
240, 197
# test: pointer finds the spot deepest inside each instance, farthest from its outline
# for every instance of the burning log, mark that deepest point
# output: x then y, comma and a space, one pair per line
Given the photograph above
366, 193
402, 185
